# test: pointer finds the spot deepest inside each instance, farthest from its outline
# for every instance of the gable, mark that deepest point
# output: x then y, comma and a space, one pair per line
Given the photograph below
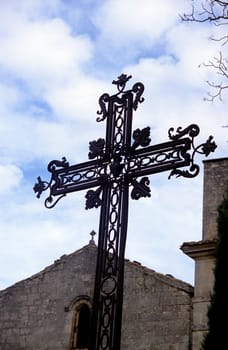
39, 310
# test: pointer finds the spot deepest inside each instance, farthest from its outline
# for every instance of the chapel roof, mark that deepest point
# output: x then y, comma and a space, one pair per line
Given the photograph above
91, 248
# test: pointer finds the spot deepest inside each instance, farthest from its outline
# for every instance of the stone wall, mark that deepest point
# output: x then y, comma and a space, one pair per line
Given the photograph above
37, 313
157, 311
33, 315
215, 182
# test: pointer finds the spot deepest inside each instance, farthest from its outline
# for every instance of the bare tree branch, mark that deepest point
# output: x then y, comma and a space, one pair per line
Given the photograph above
223, 38
211, 11
216, 12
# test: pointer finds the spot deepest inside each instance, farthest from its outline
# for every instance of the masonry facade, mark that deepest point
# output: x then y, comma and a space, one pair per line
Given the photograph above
215, 185
39, 313
51, 310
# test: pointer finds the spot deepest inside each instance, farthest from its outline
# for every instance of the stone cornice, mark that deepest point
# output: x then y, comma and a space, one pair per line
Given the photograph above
199, 249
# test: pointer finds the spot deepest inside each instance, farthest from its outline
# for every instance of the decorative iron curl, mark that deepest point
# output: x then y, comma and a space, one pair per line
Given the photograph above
140, 188
57, 164
103, 100
93, 199
96, 148
192, 130
141, 138
138, 89
49, 204
40, 186
193, 171
205, 148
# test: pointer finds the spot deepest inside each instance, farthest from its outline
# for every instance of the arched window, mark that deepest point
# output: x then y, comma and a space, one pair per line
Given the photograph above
81, 325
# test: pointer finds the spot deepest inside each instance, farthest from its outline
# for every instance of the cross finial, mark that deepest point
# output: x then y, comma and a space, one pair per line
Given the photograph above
121, 82
92, 234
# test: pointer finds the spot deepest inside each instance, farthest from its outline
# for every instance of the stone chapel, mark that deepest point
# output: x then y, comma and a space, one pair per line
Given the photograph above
51, 309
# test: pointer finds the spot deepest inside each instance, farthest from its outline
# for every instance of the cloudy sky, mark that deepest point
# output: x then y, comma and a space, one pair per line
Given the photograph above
56, 58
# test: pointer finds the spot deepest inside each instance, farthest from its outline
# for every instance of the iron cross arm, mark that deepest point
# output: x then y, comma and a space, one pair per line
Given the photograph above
172, 155
66, 179
120, 161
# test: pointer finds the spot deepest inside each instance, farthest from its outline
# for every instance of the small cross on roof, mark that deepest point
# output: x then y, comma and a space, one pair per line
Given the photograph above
92, 234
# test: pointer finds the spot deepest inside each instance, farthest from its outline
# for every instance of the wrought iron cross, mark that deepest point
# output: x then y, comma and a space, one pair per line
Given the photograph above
118, 163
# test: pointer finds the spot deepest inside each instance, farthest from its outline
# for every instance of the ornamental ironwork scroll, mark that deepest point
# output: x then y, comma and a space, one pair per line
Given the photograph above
116, 166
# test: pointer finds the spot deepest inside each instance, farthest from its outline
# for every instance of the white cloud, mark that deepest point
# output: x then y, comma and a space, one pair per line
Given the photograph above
172, 215
43, 52
78, 99
52, 77
124, 23
33, 9
10, 177
9, 96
